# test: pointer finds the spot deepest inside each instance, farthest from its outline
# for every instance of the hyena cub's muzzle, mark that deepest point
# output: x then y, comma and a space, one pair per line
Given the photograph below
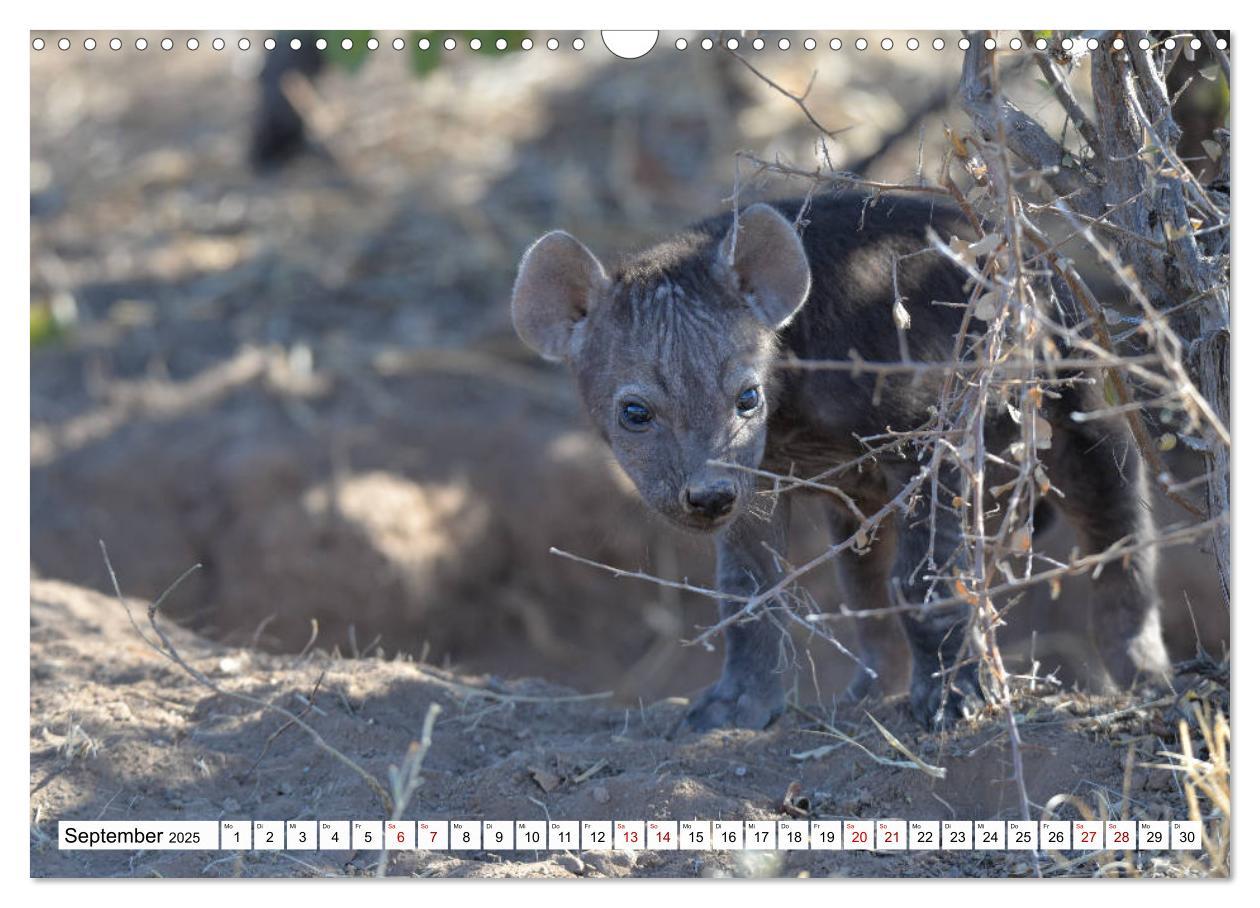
711, 500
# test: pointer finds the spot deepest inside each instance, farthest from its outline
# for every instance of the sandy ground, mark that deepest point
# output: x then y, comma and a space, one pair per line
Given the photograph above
119, 732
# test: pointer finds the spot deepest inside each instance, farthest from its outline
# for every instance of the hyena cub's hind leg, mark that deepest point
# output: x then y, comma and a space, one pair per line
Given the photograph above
1106, 498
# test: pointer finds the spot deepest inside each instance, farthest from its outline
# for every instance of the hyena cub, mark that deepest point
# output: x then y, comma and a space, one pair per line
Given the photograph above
675, 353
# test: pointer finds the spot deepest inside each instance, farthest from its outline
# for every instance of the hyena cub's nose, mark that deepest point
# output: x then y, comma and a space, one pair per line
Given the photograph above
713, 500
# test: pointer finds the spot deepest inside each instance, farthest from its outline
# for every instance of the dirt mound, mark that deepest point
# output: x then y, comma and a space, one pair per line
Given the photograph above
416, 513
119, 732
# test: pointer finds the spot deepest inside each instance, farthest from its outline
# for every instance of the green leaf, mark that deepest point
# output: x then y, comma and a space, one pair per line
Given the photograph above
44, 328
350, 58
1110, 394
488, 38
424, 62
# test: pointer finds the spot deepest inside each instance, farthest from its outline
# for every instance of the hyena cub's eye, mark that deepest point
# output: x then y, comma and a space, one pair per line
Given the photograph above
635, 416
748, 401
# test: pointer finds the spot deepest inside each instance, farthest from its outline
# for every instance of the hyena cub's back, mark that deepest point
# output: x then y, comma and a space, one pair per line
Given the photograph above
865, 256
677, 354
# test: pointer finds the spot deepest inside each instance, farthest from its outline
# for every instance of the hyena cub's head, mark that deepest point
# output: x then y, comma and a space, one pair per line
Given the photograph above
673, 353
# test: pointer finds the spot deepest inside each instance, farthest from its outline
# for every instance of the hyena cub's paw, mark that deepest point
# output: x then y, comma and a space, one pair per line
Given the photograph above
963, 701
728, 705
863, 687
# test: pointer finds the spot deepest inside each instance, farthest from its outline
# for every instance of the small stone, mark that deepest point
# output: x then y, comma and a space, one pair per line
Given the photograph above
571, 863
231, 665
600, 794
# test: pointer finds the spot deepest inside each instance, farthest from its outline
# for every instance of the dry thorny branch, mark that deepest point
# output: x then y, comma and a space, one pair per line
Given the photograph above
1032, 323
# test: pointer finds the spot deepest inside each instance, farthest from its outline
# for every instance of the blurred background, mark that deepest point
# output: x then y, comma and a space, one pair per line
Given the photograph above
270, 334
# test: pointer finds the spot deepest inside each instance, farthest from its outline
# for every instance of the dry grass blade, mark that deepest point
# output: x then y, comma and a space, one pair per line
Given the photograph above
936, 772
1207, 779
404, 780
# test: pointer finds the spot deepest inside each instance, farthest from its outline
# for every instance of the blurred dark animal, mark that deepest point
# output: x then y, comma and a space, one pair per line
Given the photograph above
278, 131
675, 355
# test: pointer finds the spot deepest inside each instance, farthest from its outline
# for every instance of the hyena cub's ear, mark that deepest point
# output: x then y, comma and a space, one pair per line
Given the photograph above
556, 282
769, 264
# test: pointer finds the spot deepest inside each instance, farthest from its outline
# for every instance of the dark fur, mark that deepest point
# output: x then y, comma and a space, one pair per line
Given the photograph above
679, 329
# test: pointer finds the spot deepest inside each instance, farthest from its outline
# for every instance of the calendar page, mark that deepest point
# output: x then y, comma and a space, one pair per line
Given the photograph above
687, 453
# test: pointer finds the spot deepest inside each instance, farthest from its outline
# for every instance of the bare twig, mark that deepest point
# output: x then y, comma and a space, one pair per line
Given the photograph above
798, 100
167, 649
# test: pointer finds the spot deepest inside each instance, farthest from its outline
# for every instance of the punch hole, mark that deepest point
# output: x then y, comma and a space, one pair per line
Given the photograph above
784, 44
373, 44
1170, 44
1117, 44
218, 44
1092, 44
141, 44
552, 44
321, 44
38, 44
912, 43
963, 44
192, 44
500, 44
1041, 44
759, 43
990, 44
578, 44
1221, 44
475, 44
64, 44
886, 44
628, 45
681, 44
732, 44
1195, 43
399, 44
295, 44
115, 44
834, 44
860, 44
347, 44
1016, 44
167, 44
938, 44
810, 44
89, 44
270, 43
707, 44
1068, 43
243, 44
527, 44
451, 43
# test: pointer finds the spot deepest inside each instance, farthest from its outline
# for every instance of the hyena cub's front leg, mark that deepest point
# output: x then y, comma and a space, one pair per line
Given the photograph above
944, 682
864, 585
750, 692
